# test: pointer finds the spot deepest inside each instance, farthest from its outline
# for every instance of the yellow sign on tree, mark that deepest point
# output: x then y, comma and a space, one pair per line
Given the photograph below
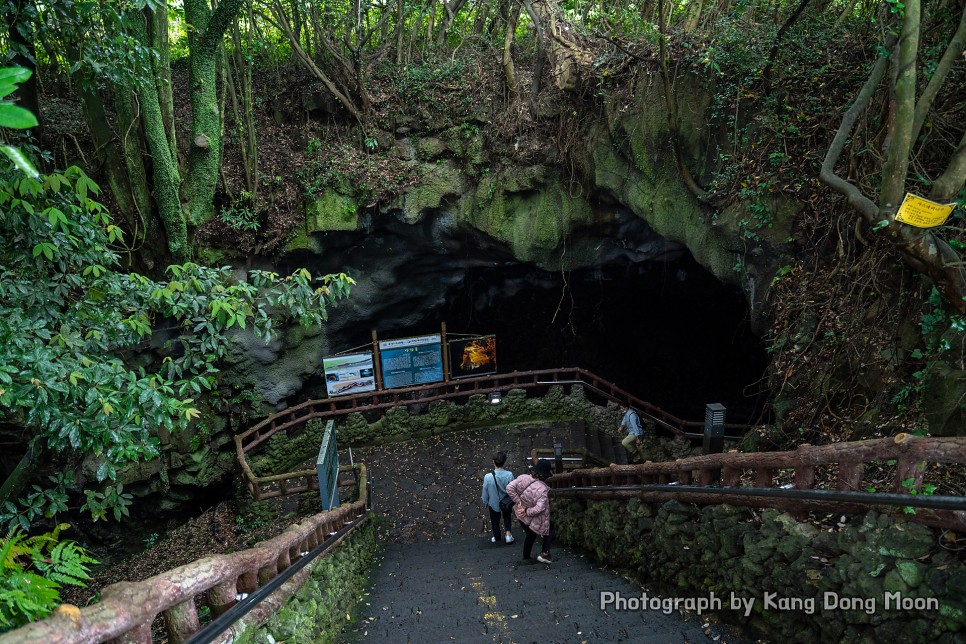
923, 213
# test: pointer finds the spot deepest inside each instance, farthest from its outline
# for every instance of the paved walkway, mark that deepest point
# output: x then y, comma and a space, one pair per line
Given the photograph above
441, 580
469, 590
430, 489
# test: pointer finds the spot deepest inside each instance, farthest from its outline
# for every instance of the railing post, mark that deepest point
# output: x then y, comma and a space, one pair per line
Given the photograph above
850, 475
222, 596
140, 634
182, 620
763, 477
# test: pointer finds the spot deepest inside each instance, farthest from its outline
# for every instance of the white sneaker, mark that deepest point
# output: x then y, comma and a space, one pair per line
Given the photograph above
492, 539
509, 538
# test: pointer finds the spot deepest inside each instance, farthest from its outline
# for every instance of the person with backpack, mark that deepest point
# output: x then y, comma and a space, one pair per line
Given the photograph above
496, 500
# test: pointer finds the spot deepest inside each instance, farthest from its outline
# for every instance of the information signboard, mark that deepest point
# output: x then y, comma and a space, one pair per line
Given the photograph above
327, 468
411, 361
472, 356
349, 374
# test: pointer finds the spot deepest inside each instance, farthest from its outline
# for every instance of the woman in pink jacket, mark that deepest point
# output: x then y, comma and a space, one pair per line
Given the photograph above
532, 498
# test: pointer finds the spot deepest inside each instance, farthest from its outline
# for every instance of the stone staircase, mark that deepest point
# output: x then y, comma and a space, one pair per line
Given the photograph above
469, 590
588, 448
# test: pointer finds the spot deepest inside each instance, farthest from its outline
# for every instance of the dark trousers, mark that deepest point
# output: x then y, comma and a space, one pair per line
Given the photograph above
531, 538
495, 522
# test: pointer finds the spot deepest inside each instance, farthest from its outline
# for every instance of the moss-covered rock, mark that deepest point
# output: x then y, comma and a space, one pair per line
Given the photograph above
820, 588
534, 224
438, 181
330, 210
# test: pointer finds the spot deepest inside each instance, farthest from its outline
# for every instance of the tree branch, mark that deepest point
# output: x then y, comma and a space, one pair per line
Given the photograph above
862, 204
951, 55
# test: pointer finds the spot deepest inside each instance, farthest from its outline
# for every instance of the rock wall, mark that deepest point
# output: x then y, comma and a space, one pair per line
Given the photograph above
876, 579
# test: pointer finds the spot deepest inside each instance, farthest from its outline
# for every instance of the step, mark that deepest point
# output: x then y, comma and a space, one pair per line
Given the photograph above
593, 441
607, 447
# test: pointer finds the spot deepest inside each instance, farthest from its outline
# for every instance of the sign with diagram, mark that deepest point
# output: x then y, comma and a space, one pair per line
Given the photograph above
349, 374
411, 361
472, 356
923, 213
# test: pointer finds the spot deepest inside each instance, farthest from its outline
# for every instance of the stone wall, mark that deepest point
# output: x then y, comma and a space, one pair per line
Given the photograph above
846, 584
317, 613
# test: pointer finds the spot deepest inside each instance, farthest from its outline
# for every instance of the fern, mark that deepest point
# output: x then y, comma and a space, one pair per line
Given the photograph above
67, 564
32, 569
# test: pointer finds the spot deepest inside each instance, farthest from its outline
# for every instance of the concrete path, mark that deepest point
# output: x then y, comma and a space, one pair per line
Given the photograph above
469, 590
442, 581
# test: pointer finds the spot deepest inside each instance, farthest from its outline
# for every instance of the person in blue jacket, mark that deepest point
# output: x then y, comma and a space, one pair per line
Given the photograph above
631, 423
494, 490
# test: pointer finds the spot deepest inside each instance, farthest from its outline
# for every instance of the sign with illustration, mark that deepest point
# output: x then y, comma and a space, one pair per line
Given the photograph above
472, 356
923, 213
411, 361
349, 374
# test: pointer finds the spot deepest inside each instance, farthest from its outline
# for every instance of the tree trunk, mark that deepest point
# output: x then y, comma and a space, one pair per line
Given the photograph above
167, 180
508, 72
158, 32
22, 474
896, 164
144, 233
204, 159
400, 14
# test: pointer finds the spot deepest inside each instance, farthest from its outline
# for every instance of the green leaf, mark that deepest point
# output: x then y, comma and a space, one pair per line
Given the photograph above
19, 160
16, 117
10, 77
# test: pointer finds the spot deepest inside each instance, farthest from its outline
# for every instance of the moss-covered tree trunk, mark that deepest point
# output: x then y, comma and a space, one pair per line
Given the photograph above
158, 31
204, 159
167, 180
144, 232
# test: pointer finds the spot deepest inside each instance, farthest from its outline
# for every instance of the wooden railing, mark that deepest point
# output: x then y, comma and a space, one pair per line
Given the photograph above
127, 610
847, 464
266, 487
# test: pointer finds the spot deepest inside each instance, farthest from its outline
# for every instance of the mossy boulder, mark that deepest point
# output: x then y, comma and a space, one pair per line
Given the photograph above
439, 181
331, 210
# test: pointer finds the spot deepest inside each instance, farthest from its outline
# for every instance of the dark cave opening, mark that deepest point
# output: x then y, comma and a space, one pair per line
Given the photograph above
668, 332
646, 317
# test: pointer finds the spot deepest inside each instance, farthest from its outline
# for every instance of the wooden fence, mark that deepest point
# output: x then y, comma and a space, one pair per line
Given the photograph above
266, 487
846, 464
126, 610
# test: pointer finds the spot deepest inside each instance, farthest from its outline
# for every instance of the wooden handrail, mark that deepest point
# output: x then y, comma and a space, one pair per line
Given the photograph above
277, 485
910, 453
127, 609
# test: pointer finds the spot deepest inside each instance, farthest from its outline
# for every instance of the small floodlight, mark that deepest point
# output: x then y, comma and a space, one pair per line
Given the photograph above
495, 397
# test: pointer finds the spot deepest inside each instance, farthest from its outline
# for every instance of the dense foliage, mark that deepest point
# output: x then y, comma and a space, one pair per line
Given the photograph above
72, 325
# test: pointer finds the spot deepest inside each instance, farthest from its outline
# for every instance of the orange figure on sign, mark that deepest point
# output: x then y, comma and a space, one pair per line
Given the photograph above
479, 353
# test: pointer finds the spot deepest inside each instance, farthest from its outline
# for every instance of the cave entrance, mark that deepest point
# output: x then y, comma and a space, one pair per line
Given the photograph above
667, 331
